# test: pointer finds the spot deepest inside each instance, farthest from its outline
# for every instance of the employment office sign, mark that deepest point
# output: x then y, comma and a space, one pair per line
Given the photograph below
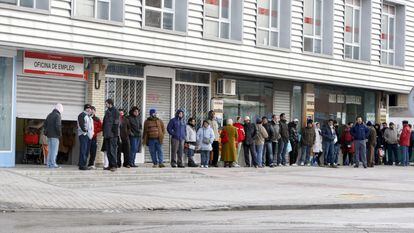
53, 64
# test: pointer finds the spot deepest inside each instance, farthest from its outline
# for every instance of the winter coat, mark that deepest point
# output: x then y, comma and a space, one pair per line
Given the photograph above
412, 139
251, 133
391, 136
269, 131
176, 127
97, 126
328, 134
228, 149
276, 131
360, 132
347, 141
308, 136
53, 125
261, 135
405, 136
208, 135
153, 129
191, 134
136, 126
284, 131
293, 133
111, 123
240, 132
124, 128
372, 138
85, 125
317, 147
214, 125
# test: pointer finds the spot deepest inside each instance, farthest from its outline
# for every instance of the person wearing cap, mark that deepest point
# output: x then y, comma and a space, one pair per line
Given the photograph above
294, 141
53, 131
308, 140
283, 141
85, 134
391, 140
110, 128
248, 143
405, 138
153, 137
360, 132
371, 144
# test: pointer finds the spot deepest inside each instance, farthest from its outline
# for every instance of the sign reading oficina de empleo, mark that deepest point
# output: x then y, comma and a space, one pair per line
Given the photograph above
53, 64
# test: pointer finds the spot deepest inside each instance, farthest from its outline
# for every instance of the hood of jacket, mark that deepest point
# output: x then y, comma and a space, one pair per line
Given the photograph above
178, 113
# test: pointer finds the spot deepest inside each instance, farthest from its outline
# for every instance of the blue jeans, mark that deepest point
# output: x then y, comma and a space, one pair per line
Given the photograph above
306, 150
84, 147
360, 152
259, 155
155, 149
205, 157
268, 154
336, 153
134, 141
281, 156
53, 144
328, 154
404, 152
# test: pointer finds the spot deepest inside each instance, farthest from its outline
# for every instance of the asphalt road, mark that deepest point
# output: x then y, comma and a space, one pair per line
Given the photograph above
301, 221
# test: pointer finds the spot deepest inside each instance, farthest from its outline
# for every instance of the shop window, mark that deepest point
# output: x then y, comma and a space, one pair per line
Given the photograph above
6, 97
357, 29
392, 100
35, 4
166, 14
318, 26
391, 54
111, 10
223, 19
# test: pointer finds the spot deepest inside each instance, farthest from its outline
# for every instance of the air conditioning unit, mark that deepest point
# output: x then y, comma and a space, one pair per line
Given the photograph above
226, 86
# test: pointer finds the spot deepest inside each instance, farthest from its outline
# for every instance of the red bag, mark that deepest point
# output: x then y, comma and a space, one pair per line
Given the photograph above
224, 137
31, 139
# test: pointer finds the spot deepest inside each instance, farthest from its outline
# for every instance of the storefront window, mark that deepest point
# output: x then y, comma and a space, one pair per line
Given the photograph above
6, 96
253, 99
343, 105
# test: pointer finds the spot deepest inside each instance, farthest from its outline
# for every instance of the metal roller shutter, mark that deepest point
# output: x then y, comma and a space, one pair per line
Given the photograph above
281, 103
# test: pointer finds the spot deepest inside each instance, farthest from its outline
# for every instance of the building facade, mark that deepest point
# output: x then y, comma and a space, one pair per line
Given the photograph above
316, 59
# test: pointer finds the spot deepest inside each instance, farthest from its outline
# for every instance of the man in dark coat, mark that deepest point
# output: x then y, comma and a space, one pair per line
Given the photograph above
136, 133
111, 133
248, 143
177, 129
329, 138
283, 141
53, 131
360, 132
308, 140
124, 143
268, 150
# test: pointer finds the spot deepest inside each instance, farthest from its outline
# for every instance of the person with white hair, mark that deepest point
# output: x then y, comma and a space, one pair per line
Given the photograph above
248, 143
53, 131
229, 137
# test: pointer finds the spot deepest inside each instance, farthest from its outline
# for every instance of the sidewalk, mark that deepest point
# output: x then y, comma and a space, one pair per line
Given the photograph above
33, 188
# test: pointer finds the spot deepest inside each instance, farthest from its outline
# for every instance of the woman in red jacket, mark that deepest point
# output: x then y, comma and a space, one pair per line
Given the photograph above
347, 145
405, 138
241, 136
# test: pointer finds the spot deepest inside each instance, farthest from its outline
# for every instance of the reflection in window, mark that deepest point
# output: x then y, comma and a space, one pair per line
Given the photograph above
112, 10
37, 4
166, 14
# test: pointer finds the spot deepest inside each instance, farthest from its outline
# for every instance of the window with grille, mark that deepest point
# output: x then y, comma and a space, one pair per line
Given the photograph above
111, 10
35, 4
352, 29
223, 19
268, 22
166, 14
312, 26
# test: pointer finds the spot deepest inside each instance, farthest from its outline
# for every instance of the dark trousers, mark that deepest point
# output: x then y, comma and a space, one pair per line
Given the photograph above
84, 148
125, 148
392, 153
274, 150
111, 145
347, 159
215, 153
293, 155
268, 154
92, 152
249, 150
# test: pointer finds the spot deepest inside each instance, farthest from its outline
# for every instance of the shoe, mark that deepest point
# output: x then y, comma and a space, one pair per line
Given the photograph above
161, 165
272, 166
154, 166
294, 165
192, 165
205, 166
92, 167
181, 166
365, 166
302, 164
356, 166
106, 168
127, 166
133, 165
83, 168
174, 165
334, 166
234, 164
113, 169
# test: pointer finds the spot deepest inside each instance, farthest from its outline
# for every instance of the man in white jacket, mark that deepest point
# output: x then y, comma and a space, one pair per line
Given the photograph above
85, 133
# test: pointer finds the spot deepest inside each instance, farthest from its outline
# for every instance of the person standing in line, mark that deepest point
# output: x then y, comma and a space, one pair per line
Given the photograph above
379, 145
274, 123
240, 139
228, 139
248, 144
384, 143
337, 144
212, 121
177, 129
317, 147
405, 138
360, 132
53, 131
111, 133
294, 142
260, 141
97, 128
205, 138
136, 133
329, 140
283, 141
153, 137
85, 133
191, 141
347, 143
391, 139
410, 149
124, 143
308, 141
371, 144
267, 159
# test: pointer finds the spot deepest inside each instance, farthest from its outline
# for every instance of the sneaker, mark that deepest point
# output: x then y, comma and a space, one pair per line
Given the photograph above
334, 166
302, 164
181, 166
294, 165
92, 167
113, 169
154, 166
174, 165
161, 165
235, 165
356, 166
106, 168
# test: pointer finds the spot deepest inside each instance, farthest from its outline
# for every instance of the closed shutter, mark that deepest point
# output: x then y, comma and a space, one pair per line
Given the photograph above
36, 96
159, 97
281, 103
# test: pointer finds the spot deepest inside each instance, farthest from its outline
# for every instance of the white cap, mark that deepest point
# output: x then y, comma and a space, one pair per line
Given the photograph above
59, 107
296, 120
247, 118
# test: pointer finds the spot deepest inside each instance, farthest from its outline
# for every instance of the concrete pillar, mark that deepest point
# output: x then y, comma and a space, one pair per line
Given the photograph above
308, 102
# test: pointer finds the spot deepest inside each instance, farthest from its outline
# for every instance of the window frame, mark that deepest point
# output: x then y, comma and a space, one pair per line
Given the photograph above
219, 20
314, 37
387, 50
269, 29
162, 10
353, 44
95, 18
27, 9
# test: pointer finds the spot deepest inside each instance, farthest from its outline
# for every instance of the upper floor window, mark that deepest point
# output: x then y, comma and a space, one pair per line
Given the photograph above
166, 14
312, 27
112, 10
36, 4
223, 19
352, 29
268, 22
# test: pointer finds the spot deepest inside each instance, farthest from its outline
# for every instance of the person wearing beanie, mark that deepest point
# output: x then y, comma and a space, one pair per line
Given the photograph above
405, 138
308, 140
153, 137
248, 143
371, 144
53, 131
110, 130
